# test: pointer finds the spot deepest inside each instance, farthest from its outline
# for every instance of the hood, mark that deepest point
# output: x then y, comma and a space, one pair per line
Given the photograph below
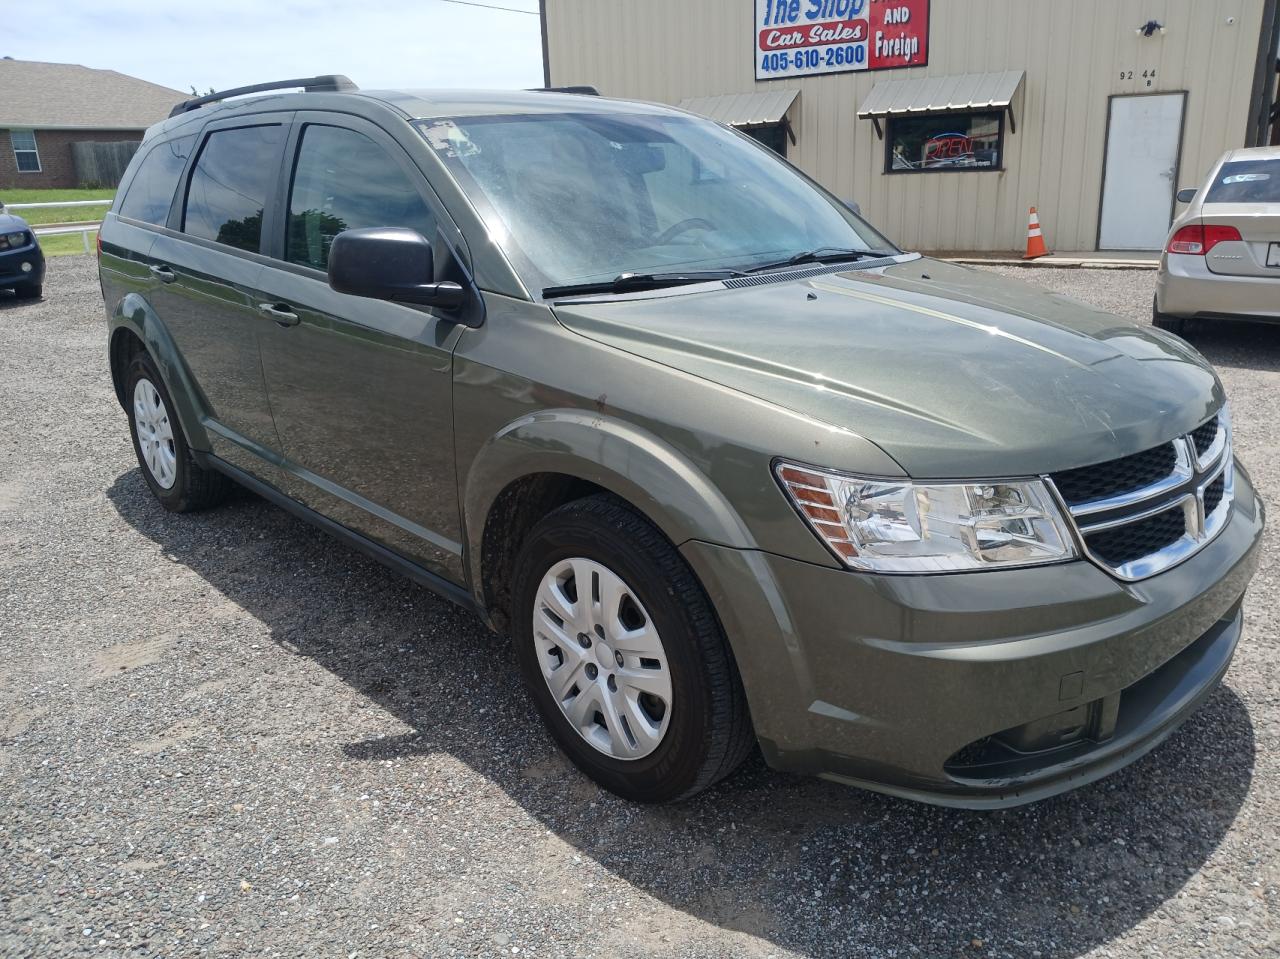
10, 223
951, 371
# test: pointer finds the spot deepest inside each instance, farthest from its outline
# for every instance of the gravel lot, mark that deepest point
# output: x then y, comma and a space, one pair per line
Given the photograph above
224, 734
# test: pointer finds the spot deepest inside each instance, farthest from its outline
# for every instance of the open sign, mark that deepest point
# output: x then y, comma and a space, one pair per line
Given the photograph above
947, 146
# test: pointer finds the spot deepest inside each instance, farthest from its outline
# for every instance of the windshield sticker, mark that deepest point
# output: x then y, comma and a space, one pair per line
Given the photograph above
445, 137
1245, 178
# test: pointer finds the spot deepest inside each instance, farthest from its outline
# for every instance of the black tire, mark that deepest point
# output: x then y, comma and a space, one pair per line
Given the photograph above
709, 732
1163, 321
28, 291
194, 487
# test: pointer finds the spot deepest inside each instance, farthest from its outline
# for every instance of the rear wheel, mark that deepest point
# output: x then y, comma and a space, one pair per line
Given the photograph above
28, 291
624, 656
174, 477
1174, 324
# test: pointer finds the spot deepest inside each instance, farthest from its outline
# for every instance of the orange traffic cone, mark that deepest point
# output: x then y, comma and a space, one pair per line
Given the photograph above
1035, 239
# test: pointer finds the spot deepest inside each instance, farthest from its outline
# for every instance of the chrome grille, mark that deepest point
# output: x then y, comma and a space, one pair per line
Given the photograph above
1132, 541
1213, 494
1203, 436
1113, 478
1141, 514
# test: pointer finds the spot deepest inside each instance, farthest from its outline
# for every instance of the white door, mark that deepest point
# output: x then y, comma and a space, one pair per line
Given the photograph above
1138, 180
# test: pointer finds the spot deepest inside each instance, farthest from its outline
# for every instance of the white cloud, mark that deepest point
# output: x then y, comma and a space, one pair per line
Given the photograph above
377, 43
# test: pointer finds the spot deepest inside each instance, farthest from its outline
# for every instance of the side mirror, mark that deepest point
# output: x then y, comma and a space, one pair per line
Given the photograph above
852, 205
389, 263
1186, 196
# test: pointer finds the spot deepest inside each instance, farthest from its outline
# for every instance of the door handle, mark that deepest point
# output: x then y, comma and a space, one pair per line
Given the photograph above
281, 313
163, 273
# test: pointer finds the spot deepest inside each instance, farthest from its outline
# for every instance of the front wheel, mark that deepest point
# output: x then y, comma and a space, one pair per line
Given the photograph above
624, 656
174, 477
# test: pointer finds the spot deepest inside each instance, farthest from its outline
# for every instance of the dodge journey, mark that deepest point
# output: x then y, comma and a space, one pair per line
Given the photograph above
730, 469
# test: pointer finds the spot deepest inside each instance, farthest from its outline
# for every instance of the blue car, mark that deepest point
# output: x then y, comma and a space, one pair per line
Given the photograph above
21, 259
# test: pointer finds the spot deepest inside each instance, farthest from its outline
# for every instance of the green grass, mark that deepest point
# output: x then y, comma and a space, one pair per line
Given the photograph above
65, 244
70, 214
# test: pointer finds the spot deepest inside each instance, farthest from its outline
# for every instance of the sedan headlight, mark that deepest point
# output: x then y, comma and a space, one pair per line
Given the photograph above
16, 239
896, 526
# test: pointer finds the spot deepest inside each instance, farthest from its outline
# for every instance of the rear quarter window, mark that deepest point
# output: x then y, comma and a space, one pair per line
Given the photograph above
150, 194
1246, 181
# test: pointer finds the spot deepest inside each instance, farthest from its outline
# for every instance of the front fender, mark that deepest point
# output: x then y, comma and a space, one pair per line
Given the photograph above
619, 456
134, 313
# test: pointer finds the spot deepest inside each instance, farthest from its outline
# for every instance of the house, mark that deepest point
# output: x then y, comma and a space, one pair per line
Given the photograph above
45, 108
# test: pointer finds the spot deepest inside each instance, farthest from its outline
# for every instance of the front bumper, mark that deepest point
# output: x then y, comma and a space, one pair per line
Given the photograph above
1186, 287
963, 689
12, 272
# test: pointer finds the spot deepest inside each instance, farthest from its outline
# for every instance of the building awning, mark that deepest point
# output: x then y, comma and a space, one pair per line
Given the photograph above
744, 109
962, 91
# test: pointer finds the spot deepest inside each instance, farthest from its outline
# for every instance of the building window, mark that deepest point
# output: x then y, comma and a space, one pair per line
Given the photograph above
774, 136
24, 150
944, 143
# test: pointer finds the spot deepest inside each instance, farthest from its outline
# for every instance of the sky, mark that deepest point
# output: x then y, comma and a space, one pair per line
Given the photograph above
228, 43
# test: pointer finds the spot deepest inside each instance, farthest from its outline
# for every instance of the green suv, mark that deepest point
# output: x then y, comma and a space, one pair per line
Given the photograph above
728, 467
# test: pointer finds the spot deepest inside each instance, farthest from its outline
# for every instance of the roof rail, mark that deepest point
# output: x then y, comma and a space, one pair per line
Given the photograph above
329, 83
583, 91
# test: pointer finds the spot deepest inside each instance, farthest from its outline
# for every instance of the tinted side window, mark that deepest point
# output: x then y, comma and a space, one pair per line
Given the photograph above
228, 189
344, 181
151, 192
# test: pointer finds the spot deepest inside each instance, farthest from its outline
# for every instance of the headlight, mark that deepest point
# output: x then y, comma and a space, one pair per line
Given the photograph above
897, 526
16, 239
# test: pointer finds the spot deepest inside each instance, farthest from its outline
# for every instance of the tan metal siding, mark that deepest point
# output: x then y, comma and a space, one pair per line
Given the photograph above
1073, 54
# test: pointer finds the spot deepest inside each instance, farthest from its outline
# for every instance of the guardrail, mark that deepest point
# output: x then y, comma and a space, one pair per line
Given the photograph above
55, 229
54, 205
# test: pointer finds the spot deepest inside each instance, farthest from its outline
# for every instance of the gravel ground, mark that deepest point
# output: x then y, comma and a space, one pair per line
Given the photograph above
223, 734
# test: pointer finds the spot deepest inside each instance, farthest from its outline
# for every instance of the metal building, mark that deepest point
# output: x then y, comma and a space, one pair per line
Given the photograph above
945, 121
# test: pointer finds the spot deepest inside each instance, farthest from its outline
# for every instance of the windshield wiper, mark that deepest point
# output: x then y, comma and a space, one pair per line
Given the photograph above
826, 254
637, 282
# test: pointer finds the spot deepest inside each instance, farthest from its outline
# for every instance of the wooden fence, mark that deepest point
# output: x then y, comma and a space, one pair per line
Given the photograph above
100, 166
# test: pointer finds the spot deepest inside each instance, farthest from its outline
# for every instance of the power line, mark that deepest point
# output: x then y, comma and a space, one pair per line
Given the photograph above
490, 6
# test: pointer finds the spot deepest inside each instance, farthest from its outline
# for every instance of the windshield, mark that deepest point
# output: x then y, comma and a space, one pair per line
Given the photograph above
1246, 181
583, 197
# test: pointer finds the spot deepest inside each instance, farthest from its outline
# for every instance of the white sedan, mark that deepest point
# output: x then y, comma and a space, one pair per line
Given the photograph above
1222, 260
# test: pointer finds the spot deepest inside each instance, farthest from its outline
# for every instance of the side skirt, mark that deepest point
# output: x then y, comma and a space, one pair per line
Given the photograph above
410, 570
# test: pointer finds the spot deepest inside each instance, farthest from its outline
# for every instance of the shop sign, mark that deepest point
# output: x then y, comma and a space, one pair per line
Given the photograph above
800, 38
